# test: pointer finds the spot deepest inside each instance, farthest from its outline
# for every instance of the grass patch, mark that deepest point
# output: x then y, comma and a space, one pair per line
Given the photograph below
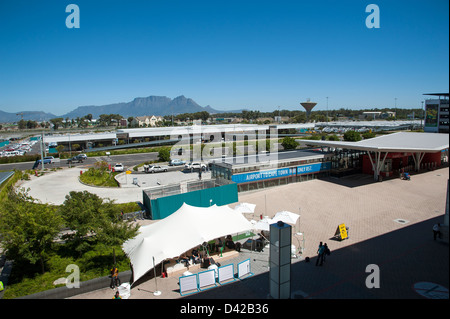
25, 279
99, 176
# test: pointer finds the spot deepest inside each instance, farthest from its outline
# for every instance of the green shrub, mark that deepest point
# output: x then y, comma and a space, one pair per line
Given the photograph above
99, 176
289, 143
352, 136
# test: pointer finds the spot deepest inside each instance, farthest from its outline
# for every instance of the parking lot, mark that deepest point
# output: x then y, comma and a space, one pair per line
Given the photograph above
145, 180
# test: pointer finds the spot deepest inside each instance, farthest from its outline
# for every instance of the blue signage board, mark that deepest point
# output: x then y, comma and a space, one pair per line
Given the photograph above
280, 172
313, 168
262, 175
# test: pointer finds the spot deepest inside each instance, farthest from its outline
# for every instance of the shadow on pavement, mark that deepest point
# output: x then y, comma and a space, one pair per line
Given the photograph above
404, 257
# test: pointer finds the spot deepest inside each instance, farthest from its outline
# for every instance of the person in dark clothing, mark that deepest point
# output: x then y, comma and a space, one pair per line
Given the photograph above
320, 252
437, 231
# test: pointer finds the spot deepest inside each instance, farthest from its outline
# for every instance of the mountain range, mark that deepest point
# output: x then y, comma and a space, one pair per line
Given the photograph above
140, 106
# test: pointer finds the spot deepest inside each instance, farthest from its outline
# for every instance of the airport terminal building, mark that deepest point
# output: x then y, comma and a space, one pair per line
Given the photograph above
256, 172
388, 155
385, 156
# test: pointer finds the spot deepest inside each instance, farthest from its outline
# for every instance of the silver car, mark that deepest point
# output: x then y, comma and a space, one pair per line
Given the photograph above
154, 169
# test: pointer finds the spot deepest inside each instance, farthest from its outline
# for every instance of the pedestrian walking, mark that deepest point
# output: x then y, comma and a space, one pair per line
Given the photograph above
320, 252
115, 281
437, 230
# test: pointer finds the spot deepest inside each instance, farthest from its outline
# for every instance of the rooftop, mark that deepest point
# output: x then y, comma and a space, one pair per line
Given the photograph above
396, 142
268, 158
437, 94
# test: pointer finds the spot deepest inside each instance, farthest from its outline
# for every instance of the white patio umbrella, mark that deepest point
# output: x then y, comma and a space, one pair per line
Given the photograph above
245, 208
263, 224
286, 217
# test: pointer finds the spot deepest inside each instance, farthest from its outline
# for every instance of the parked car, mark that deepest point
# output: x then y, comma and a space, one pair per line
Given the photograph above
47, 160
118, 167
75, 159
176, 162
195, 166
154, 168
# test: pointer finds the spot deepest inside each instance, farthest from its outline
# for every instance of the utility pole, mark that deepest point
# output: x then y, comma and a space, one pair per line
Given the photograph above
42, 151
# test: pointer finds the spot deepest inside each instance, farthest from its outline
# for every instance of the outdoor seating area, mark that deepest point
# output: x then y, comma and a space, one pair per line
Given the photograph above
176, 266
202, 264
184, 231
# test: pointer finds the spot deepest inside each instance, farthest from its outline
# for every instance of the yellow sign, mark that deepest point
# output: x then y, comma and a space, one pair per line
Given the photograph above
128, 172
343, 231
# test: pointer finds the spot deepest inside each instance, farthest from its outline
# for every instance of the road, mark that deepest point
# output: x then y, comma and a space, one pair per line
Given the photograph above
127, 160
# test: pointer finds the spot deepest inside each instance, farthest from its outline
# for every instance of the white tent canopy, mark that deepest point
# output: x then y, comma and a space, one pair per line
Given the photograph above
183, 230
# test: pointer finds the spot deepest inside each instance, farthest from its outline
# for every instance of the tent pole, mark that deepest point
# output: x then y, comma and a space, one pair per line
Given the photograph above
157, 292
299, 216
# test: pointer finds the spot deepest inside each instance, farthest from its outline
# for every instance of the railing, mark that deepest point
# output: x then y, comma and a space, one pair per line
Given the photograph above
134, 215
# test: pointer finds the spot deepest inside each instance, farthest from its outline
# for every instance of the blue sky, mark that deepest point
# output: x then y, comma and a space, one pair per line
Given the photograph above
227, 54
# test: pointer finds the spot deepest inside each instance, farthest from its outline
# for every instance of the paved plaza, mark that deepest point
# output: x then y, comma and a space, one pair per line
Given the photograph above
390, 226
52, 187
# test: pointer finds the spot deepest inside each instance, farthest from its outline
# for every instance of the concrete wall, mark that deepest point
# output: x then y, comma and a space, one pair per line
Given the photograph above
85, 286
165, 206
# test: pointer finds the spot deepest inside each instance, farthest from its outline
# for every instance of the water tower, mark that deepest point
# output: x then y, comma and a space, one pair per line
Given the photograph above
308, 105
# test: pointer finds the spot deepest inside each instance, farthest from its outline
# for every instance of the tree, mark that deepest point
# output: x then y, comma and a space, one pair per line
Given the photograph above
22, 124
31, 124
164, 155
300, 118
28, 228
57, 122
88, 117
368, 135
333, 137
352, 136
289, 143
90, 218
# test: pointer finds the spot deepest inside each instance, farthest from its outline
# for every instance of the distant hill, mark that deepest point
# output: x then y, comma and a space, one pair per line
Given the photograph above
152, 105
38, 116
140, 106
